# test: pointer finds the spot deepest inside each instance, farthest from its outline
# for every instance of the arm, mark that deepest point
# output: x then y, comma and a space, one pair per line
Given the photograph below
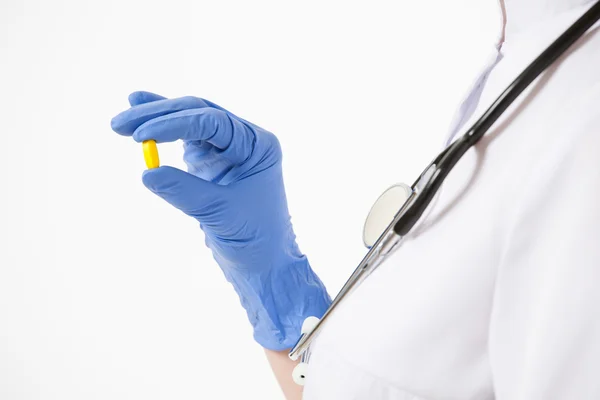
545, 327
282, 367
234, 190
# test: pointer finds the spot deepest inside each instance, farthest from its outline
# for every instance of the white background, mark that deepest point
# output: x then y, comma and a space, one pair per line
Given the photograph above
106, 292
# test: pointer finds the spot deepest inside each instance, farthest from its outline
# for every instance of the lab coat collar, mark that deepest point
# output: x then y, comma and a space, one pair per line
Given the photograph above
521, 14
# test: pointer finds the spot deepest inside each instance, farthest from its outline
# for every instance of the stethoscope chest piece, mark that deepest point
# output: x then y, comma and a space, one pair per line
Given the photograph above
383, 211
380, 217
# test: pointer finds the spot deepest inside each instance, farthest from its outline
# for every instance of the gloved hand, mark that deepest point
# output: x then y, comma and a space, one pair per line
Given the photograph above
234, 188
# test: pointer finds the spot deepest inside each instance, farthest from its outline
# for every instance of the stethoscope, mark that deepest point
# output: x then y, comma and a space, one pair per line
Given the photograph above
380, 235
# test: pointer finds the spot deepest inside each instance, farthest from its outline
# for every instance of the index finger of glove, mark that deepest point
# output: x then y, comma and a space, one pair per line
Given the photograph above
129, 120
142, 97
232, 136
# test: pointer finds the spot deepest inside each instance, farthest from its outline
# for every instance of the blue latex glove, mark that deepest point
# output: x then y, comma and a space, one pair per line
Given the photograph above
234, 188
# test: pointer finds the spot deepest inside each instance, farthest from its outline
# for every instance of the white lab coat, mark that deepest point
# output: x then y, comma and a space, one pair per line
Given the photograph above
496, 292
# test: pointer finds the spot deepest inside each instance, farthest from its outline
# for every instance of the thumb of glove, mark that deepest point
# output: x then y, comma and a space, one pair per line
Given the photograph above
192, 195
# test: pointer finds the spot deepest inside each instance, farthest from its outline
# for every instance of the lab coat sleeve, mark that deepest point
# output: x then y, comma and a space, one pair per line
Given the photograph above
544, 332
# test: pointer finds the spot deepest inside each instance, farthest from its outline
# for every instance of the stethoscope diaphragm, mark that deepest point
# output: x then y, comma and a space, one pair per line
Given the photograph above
383, 211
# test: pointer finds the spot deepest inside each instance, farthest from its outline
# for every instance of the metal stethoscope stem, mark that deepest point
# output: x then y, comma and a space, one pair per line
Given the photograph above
386, 243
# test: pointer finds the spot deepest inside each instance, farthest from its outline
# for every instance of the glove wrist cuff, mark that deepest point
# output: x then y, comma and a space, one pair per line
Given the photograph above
277, 302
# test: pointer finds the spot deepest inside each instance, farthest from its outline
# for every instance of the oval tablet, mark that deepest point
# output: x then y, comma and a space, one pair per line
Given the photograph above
150, 154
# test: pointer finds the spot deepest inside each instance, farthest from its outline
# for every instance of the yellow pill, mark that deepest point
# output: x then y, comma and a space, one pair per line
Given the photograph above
150, 154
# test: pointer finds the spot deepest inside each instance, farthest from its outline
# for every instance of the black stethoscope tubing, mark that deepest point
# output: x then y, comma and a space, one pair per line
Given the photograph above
448, 158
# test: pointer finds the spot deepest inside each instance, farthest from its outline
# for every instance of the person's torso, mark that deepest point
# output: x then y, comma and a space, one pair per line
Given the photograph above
418, 327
